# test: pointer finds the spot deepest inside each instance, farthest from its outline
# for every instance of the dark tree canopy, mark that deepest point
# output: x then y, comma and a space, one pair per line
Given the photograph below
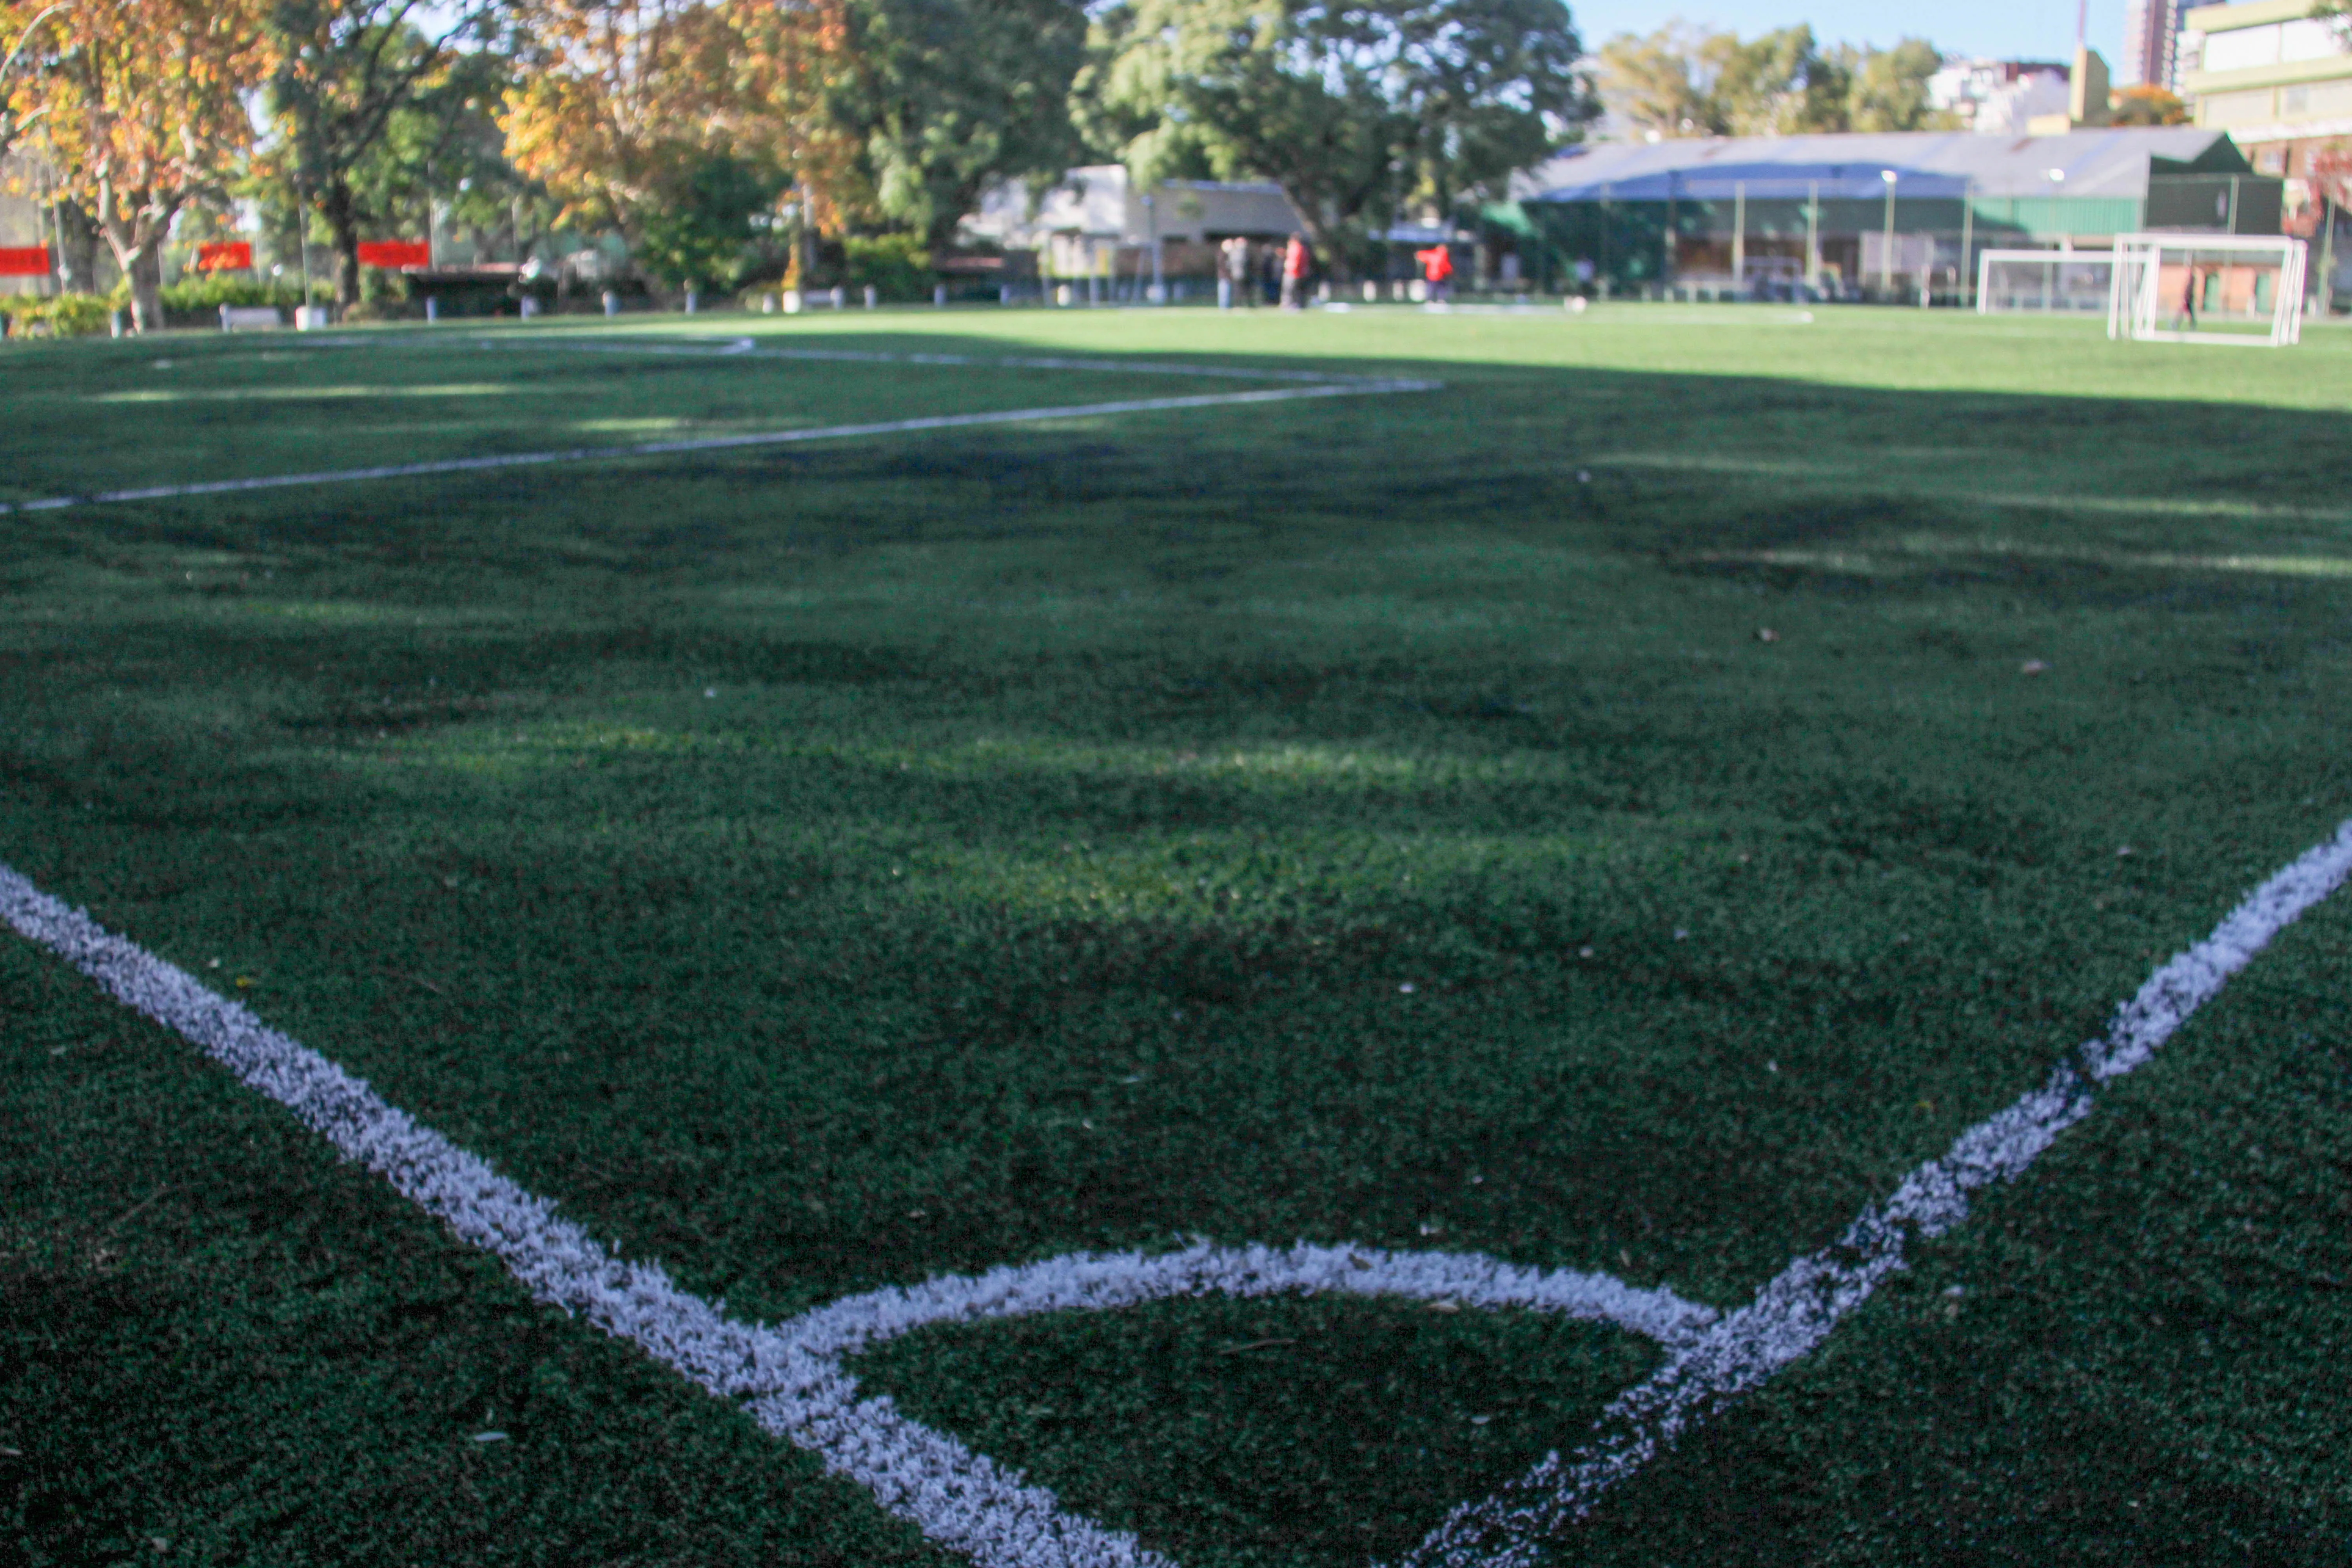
1360, 110
949, 96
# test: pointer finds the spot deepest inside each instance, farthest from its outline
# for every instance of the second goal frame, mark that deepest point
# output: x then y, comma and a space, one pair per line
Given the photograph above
2163, 283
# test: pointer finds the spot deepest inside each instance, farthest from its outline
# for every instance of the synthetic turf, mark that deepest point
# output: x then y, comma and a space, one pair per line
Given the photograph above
1073, 807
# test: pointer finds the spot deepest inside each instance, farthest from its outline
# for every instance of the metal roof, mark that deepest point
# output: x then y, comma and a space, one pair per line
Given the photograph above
2109, 162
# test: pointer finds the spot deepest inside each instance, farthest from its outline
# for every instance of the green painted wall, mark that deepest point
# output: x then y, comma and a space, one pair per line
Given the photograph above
1628, 238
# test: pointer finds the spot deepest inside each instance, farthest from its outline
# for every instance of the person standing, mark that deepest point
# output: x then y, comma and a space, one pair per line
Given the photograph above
1437, 270
1293, 274
1232, 269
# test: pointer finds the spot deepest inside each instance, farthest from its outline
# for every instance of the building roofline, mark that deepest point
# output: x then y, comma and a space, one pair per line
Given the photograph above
2251, 14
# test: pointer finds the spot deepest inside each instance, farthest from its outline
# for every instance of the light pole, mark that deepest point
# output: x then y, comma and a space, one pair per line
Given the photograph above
1151, 224
1966, 281
302, 247
2327, 257
1886, 252
1813, 235
1739, 237
1666, 270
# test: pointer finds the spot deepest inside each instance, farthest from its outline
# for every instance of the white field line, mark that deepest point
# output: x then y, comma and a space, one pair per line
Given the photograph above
721, 443
790, 1379
1795, 1311
750, 348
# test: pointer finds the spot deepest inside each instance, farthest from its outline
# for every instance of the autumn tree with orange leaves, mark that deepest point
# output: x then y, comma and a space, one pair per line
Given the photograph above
143, 105
889, 113
796, 64
619, 102
28, 43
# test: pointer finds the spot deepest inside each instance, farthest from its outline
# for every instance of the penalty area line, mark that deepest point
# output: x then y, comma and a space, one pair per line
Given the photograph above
722, 443
1798, 1308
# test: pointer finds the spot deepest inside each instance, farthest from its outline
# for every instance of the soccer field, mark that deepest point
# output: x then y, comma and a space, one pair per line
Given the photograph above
1549, 826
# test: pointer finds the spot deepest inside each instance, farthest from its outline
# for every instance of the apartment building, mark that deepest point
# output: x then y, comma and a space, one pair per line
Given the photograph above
2273, 75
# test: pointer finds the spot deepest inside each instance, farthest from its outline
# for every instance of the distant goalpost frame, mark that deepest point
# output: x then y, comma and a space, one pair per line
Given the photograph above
2039, 281
2166, 287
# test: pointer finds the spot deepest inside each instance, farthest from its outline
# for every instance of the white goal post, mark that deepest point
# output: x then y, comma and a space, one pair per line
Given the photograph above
2243, 289
2043, 281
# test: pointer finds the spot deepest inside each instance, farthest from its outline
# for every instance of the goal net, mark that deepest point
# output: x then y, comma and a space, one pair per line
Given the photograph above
2208, 288
2043, 281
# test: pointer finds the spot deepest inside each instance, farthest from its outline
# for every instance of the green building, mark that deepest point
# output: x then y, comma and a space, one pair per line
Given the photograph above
1865, 216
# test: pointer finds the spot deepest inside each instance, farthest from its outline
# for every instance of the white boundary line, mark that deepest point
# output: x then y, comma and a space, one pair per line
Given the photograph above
721, 443
791, 1379
1795, 1311
750, 348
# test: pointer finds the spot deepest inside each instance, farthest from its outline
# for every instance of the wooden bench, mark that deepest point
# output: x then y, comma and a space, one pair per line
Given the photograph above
250, 319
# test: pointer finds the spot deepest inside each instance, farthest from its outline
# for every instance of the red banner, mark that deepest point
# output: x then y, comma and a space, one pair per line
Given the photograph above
24, 261
396, 253
227, 255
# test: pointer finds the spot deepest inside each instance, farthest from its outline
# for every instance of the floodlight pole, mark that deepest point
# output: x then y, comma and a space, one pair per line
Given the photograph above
1607, 216
302, 247
2327, 256
1813, 235
1666, 270
1738, 235
1152, 221
1886, 255
1967, 279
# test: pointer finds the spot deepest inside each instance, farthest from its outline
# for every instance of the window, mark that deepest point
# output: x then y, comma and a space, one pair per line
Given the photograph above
2242, 48
2311, 39
2236, 108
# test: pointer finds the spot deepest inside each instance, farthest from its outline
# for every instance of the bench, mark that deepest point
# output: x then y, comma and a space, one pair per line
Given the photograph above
250, 319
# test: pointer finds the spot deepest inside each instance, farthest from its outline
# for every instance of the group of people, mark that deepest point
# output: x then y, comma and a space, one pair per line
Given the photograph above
1247, 272
1288, 268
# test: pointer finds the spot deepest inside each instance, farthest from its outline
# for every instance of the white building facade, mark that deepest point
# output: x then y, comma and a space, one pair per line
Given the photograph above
1998, 97
1097, 224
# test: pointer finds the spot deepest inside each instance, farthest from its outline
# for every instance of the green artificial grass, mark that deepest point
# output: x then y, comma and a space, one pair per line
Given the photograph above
1376, 819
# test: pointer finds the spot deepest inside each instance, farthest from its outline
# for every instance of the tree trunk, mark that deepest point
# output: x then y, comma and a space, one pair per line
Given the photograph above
77, 249
342, 219
136, 238
144, 267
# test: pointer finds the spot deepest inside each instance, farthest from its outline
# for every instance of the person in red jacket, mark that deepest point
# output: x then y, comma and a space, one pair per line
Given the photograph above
1294, 273
1437, 267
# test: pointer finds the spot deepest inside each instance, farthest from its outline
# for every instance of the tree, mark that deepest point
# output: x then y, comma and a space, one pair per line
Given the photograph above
618, 102
1656, 84
942, 97
1678, 81
700, 234
1775, 86
1354, 107
146, 106
28, 54
2147, 106
2330, 177
1888, 89
355, 86
793, 65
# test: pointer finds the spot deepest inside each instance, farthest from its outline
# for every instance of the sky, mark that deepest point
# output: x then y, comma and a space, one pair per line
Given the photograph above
2004, 29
